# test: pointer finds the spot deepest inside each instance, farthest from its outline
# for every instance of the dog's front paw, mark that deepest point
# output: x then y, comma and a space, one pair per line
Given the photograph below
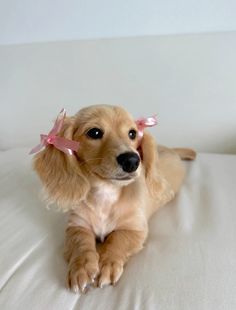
83, 271
110, 271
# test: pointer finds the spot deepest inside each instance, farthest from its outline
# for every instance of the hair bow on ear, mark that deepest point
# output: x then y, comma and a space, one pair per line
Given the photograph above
62, 144
142, 123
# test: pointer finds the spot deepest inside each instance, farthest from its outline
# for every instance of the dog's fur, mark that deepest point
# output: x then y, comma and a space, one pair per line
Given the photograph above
102, 206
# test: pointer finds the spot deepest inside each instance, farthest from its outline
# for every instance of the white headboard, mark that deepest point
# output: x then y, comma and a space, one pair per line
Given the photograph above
188, 80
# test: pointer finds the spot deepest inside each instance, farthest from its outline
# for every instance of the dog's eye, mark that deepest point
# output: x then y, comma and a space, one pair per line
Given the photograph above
132, 134
95, 133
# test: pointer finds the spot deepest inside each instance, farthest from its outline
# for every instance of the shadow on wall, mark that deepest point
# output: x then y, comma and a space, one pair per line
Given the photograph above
228, 141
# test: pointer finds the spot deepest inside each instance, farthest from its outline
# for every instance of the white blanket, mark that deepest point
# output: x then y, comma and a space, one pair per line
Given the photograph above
189, 261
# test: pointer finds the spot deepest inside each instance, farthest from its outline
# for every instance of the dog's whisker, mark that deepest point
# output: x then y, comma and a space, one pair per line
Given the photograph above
89, 160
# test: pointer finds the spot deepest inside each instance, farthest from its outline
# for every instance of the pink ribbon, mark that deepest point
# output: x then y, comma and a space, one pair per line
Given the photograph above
142, 123
62, 144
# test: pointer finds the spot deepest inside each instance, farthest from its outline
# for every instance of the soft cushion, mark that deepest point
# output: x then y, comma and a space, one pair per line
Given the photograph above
189, 260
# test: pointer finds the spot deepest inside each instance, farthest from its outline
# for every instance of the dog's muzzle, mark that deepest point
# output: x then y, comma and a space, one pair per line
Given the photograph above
129, 161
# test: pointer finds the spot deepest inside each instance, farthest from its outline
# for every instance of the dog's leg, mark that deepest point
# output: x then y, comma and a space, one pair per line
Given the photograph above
81, 254
114, 253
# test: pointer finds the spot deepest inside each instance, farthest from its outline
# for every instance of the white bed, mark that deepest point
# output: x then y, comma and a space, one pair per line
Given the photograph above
189, 261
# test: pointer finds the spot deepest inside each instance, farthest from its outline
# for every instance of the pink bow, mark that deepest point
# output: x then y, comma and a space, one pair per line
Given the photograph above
142, 123
62, 144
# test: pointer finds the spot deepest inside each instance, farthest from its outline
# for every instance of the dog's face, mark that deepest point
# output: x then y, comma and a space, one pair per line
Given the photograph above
109, 140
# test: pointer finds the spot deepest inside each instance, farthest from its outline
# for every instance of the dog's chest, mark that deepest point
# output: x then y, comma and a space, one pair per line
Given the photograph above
103, 214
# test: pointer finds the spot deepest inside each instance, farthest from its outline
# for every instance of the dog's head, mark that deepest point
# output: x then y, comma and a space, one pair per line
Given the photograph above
108, 143
108, 151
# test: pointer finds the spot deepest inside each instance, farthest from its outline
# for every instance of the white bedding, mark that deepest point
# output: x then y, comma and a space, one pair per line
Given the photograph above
189, 261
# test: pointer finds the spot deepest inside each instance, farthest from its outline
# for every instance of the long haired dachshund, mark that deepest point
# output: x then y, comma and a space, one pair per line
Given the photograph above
110, 186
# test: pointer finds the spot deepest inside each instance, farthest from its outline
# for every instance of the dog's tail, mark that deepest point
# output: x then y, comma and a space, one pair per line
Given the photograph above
185, 154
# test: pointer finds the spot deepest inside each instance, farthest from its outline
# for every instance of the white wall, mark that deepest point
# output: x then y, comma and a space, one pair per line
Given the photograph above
188, 80
51, 20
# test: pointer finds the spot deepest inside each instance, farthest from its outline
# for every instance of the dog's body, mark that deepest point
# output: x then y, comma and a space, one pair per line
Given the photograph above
111, 187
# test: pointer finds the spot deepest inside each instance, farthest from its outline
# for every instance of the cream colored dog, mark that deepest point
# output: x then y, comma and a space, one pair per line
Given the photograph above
110, 186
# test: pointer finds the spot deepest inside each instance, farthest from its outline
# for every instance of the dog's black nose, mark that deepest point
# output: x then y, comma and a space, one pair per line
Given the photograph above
128, 161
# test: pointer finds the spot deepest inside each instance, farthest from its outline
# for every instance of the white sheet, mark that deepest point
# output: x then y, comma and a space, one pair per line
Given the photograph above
189, 261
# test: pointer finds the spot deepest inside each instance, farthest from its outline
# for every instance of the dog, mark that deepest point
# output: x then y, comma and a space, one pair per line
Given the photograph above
110, 186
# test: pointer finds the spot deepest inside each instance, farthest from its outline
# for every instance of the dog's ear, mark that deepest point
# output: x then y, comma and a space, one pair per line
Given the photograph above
63, 179
149, 156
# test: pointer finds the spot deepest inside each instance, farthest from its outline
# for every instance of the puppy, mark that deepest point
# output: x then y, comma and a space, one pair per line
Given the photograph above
110, 186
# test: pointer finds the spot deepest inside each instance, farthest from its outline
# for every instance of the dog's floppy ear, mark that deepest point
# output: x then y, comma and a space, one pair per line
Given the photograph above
149, 156
63, 179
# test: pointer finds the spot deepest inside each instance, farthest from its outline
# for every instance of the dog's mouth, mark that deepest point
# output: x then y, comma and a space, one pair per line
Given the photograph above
117, 178
126, 178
